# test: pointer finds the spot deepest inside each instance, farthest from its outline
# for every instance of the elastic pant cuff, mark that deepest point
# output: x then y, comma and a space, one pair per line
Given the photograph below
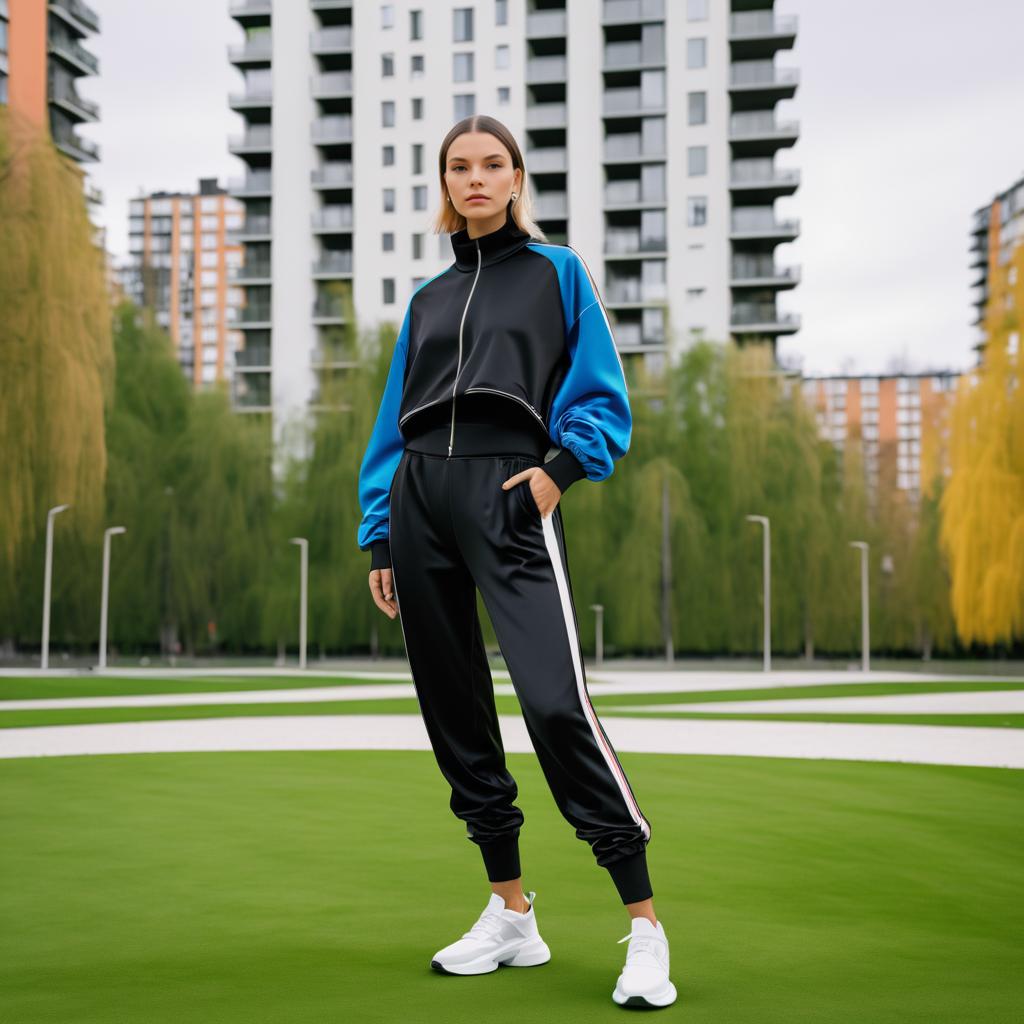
501, 859
631, 877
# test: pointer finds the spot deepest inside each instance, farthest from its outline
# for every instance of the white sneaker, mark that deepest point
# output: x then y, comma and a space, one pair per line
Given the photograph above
644, 980
499, 937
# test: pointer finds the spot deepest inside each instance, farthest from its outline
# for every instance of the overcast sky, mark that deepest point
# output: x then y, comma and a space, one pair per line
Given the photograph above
910, 118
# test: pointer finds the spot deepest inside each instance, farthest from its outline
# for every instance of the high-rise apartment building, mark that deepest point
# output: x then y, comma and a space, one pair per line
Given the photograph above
182, 265
649, 134
902, 421
997, 259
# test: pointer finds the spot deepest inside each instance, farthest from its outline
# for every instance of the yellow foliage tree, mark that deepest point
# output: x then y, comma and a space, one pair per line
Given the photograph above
983, 507
56, 345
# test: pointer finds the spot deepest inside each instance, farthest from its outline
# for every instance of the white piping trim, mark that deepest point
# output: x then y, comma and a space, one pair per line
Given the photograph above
551, 542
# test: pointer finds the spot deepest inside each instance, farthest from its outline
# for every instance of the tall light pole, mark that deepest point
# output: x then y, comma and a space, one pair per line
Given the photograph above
598, 633
767, 557
105, 591
865, 633
304, 573
48, 572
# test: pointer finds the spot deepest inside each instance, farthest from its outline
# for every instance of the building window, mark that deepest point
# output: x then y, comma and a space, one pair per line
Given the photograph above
697, 160
416, 65
462, 67
464, 104
697, 107
387, 241
387, 114
419, 197
500, 12
504, 95
696, 53
387, 156
417, 158
417, 108
388, 291
696, 10
693, 293
389, 200
387, 65
387, 15
501, 59
417, 245
415, 24
696, 211
462, 30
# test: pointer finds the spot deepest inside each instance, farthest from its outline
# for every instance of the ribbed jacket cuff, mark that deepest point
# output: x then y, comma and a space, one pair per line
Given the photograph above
564, 469
380, 555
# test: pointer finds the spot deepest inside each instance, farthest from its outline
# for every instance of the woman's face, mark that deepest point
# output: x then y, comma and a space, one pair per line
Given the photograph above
479, 163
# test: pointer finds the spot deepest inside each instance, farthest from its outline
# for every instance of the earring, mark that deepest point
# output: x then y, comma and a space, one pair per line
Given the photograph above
513, 197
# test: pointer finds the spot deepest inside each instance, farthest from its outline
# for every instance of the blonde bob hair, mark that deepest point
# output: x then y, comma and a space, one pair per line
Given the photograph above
448, 219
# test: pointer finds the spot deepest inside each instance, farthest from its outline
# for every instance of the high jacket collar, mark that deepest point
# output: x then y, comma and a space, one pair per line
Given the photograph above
494, 246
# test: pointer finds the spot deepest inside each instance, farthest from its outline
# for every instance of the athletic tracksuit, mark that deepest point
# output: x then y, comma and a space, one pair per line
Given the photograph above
505, 360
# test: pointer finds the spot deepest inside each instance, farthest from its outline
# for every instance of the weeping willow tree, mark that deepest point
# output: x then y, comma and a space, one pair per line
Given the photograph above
55, 346
982, 508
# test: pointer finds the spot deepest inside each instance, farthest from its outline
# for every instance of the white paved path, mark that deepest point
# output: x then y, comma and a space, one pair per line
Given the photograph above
1002, 748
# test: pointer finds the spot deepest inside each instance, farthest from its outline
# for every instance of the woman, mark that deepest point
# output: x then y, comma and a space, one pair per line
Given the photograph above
504, 389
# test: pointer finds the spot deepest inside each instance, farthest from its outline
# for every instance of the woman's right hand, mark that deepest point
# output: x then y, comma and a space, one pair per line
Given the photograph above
382, 588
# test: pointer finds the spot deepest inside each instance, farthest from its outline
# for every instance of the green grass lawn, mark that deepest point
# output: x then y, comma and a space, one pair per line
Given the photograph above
314, 887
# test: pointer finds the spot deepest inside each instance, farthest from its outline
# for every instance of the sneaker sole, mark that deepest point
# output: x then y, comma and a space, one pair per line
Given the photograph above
665, 996
533, 955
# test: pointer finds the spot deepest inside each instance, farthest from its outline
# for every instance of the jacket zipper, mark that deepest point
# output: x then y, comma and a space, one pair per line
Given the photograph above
515, 398
458, 366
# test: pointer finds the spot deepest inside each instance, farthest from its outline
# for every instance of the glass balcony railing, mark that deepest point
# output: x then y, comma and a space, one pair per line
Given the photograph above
332, 174
337, 38
333, 217
761, 23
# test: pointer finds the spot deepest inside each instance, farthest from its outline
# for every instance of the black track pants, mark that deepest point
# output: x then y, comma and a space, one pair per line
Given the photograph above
453, 529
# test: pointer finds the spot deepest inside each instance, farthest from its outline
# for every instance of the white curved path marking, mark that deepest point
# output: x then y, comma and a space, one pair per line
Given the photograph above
999, 748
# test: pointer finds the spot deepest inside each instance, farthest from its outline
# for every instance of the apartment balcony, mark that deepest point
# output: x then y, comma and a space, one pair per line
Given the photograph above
255, 228
551, 205
334, 129
626, 290
256, 184
628, 147
628, 194
79, 17
332, 357
254, 316
629, 243
74, 55
757, 224
760, 34
547, 158
251, 12
764, 275
251, 99
757, 185
251, 392
77, 108
630, 103
758, 83
757, 133
545, 25
762, 318
253, 358
79, 149
258, 139
328, 312
632, 54
251, 272
333, 263
545, 69
331, 40
255, 51
618, 12
332, 85
331, 5
546, 115
332, 175
333, 218
630, 337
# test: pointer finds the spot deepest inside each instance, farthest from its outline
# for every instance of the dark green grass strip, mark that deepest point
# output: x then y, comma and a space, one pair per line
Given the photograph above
312, 887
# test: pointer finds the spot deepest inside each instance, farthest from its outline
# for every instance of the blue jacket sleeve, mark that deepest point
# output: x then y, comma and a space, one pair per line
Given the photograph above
383, 453
590, 418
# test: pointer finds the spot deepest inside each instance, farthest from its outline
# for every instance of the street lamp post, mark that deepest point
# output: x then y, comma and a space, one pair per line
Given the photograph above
767, 558
598, 633
304, 575
48, 572
865, 628
105, 591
